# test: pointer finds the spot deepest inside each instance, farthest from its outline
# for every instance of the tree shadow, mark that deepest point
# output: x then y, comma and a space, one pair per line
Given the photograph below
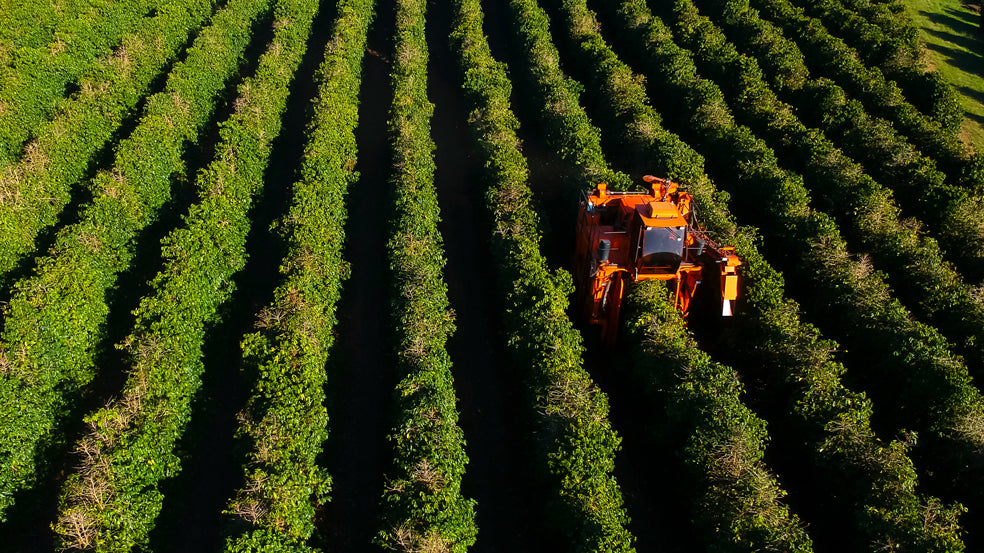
958, 21
971, 43
974, 10
979, 119
975, 95
972, 93
968, 62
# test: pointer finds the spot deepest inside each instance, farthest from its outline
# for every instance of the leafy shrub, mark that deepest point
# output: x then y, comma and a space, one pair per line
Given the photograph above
55, 318
39, 185
423, 503
36, 77
576, 440
286, 419
112, 501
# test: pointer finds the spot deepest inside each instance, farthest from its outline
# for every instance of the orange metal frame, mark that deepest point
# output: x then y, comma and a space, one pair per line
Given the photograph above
603, 274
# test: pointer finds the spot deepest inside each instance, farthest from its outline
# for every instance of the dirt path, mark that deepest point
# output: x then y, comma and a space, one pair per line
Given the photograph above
499, 476
361, 376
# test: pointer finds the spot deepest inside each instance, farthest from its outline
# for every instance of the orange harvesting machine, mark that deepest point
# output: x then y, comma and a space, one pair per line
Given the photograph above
624, 237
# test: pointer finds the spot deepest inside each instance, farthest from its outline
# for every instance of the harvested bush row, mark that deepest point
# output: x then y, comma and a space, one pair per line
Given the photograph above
423, 507
577, 443
285, 419
720, 440
112, 501
55, 320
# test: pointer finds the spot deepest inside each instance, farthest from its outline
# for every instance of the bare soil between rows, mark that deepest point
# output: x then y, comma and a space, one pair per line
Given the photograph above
361, 377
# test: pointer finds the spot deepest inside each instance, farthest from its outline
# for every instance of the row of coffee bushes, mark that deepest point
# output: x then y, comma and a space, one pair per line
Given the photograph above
38, 186
781, 60
285, 421
830, 57
952, 208
892, 16
721, 439
35, 78
54, 322
780, 56
111, 501
31, 24
569, 131
820, 104
575, 439
914, 264
953, 213
898, 58
423, 507
910, 371
832, 422
868, 138
733, 499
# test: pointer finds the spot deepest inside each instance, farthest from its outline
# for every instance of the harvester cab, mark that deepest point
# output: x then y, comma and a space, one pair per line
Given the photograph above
624, 237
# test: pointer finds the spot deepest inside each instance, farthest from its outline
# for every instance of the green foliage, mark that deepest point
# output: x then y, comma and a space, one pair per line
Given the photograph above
919, 381
832, 58
33, 24
953, 212
39, 185
897, 54
720, 440
951, 209
112, 501
613, 85
423, 507
569, 130
921, 279
643, 131
573, 427
54, 321
286, 419
780, 58
780, 205
36, 77
835, 421
890, 16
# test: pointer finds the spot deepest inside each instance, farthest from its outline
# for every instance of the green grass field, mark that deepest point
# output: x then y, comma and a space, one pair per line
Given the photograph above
955, 44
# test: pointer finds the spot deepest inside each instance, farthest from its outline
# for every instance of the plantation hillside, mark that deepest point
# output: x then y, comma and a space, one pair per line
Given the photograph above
297, 275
